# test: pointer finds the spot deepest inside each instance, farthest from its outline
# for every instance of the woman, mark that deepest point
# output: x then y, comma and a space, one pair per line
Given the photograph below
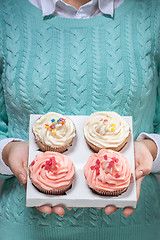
78, 66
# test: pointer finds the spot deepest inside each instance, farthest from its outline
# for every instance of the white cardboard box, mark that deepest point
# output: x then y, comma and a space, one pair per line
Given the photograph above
80, 195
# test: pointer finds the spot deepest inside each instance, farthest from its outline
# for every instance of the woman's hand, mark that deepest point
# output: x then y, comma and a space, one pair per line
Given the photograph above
15, 156
145, 152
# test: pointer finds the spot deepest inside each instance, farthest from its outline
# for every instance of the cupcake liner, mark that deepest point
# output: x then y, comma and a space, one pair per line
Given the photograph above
117, 149
53, 191
110, 193
45, 148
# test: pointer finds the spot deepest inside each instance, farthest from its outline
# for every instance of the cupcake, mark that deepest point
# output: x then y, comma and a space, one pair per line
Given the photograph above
54, 132
52, 172
106, 130
108, 172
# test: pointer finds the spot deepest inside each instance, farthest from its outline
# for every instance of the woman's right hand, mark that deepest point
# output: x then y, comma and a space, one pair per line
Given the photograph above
15, 156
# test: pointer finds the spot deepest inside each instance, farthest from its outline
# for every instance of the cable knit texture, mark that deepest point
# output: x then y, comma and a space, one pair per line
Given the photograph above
79, 66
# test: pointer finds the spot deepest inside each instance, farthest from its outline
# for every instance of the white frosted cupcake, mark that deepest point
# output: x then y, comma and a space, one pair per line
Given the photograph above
54, 132
106, 130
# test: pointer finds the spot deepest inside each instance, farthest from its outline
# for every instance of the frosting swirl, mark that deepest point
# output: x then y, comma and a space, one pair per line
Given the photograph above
53, 130
107, 171
106, 129
51, 171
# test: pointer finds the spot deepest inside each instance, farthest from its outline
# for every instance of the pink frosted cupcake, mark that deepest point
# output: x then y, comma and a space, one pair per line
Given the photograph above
108, 172
52, 172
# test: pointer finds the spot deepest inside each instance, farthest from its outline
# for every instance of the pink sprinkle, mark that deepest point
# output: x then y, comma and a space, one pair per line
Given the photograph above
50, 167
92, 167
111, 164
101, 120
96, 166
49, 163
52, 158
97, 171
97, 162
32, 163
105, 120
47, 167
105, 157
54, 162
43, 166
115, 159
117, 175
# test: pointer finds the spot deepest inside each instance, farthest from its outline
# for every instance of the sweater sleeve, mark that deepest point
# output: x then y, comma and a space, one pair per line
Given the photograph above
157, 113
3, 114
157, 58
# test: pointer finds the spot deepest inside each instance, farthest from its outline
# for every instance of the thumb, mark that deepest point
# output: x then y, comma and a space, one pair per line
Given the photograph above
143, 169
138, 186
22, 178
19, 171
139, 172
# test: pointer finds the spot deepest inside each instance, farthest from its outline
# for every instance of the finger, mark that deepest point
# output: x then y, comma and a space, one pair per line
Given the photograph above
110, 209
143, 169
25, 186
18, 165
143, 162
69, 208
128, 211
25, 165
138, 186
19, 171
139, 173
45, 209
58, 210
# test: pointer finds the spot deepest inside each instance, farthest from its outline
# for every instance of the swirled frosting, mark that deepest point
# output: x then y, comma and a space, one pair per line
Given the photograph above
107, 170
106, 129
54, 130
51, 171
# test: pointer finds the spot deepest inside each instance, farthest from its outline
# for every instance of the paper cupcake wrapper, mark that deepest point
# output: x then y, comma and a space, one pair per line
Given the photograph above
113, 193
45, 148
110, 193
52, 191
117, 149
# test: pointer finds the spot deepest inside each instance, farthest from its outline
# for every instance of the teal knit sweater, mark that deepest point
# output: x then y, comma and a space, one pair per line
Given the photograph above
77, 67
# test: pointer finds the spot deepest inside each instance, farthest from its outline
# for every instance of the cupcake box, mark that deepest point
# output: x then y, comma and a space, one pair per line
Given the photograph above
80, 195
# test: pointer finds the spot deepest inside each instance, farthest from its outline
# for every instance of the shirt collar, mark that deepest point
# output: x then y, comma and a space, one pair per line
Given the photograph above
106, 6
48, 6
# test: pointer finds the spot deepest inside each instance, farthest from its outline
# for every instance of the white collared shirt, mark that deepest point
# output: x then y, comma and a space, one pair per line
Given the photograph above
91, 9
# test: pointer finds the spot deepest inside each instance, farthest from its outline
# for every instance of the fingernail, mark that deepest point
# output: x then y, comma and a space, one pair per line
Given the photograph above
21, 178
140, 173
61, 215
69, 208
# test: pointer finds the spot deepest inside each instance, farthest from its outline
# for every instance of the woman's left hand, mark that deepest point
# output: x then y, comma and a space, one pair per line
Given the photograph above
145, 152
56, 209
